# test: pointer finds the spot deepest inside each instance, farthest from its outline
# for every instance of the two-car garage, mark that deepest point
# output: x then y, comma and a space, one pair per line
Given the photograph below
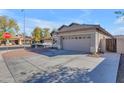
77, 42
82, 37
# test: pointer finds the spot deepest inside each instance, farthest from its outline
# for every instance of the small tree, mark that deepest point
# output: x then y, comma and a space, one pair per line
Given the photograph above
53, 31
47, 34
37, 34
120, 14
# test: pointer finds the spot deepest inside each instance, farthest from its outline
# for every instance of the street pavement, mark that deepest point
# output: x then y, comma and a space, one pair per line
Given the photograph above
4, 48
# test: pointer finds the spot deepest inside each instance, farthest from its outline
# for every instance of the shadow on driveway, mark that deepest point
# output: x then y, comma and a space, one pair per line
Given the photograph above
62, 75
105, 72
54, 52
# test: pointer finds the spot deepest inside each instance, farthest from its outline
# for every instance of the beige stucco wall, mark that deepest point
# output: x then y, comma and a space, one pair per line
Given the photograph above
101, 41
120, 45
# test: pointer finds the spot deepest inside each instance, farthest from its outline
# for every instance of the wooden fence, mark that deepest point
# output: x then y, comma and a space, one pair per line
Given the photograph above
111, 45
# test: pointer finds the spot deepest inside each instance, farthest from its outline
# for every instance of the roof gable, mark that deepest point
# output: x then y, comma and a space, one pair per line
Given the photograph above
63, 26
73, 24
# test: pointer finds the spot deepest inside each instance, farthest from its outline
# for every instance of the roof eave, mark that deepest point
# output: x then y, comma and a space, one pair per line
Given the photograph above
104, 31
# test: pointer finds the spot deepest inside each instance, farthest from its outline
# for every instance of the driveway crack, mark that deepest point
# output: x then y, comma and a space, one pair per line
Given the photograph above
32, 64
66, 62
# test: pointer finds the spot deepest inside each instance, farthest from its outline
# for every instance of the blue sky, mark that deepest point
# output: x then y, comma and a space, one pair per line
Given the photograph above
54, 18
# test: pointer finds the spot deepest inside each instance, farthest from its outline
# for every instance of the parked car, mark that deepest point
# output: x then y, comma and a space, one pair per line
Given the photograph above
36, 45
48, 45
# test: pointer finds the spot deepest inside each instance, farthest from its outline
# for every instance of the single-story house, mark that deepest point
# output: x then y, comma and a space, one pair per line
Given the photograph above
82, 37
18, 40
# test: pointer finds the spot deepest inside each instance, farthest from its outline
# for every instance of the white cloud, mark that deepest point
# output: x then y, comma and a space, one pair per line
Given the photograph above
21, 26
31, 23
96, 23
118, 31
52, 12
120, 20
86, 12
39, 22
84, 16
3, 11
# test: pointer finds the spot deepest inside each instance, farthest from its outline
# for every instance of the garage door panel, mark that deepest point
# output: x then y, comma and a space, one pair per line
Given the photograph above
82, 44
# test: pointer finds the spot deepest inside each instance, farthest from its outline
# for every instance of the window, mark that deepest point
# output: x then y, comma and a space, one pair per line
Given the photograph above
75, 37
88, 37
79, 37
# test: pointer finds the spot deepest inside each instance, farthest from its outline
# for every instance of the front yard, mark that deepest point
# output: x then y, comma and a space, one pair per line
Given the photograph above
49, 65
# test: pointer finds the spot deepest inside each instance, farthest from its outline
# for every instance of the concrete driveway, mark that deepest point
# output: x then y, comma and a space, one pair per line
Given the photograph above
58, 66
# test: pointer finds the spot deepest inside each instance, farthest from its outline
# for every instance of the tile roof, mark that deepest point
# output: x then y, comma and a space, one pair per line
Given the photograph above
65, 28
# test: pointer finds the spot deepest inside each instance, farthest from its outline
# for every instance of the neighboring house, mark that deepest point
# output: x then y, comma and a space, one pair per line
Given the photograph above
82, 37
19, 40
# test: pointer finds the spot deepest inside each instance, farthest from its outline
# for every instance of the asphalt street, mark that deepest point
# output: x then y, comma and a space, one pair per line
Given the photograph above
2, 48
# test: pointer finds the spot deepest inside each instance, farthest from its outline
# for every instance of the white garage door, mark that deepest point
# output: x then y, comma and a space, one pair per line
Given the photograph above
78, 43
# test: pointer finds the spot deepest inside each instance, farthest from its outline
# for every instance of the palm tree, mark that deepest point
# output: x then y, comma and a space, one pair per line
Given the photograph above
8, 23
13, 24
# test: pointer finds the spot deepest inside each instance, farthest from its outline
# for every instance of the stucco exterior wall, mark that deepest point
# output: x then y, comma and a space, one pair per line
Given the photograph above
120, 45
101, 41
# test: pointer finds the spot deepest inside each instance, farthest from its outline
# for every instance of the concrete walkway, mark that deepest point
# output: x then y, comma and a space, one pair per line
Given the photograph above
106, 71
